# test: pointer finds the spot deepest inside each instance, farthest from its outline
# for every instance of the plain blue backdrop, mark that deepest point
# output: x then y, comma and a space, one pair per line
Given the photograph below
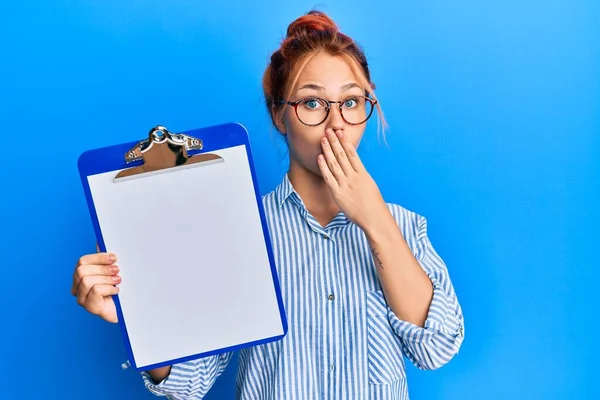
494, 113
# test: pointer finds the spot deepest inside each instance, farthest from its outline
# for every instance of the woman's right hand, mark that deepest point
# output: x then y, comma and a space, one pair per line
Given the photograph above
94, 283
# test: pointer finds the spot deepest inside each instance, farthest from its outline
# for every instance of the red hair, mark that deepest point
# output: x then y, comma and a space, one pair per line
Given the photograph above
308, 35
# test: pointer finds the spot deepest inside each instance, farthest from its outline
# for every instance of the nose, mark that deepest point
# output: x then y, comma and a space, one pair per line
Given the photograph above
335, 120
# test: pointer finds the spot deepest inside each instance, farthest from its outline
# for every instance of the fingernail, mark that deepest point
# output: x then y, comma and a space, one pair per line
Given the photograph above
112, 258
324, 140
339, 133
116, 278
114, 268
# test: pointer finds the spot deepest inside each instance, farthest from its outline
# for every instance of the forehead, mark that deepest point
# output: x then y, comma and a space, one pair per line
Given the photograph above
327, 71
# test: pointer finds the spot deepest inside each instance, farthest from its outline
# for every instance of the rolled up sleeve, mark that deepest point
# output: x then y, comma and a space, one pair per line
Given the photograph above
190, 379
434, 345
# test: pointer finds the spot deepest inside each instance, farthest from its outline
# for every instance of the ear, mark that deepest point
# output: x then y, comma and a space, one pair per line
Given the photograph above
279, 124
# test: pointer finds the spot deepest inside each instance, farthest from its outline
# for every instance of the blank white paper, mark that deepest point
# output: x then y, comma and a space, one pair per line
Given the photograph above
195, 267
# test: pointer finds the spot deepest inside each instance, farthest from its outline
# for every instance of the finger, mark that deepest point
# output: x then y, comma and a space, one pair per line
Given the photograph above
326, 173
85, 270
100, 291
96, 296
90, 259
334, 166
88, 283
92, 270
339, 151
350, 151
97, 258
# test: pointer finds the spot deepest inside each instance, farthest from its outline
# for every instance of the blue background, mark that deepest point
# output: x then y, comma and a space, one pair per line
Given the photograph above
494, 112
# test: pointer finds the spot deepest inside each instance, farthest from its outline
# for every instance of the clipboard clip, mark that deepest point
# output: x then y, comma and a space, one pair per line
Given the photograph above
164, 150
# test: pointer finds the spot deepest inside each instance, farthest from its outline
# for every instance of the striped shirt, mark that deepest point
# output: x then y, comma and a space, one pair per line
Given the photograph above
344, 341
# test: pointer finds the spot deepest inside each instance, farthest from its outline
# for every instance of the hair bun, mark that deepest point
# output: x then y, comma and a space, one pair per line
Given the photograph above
311, 22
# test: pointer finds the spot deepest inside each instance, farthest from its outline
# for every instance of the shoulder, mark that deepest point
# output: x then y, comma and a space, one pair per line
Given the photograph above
268, 198
270, 204
405, 216
412, 224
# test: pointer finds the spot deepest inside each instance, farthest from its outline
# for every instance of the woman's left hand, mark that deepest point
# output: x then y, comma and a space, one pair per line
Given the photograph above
353, 189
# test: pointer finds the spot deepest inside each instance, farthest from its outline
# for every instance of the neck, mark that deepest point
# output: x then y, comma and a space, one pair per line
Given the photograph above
314, 192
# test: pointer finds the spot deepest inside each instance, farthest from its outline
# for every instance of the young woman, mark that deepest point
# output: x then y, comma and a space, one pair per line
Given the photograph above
361, 283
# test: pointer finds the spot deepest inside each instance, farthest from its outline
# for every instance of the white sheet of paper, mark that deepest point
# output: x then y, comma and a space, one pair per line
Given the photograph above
195, 267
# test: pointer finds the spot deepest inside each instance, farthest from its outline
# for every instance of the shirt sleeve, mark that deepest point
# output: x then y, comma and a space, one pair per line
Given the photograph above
189, 380
434, 345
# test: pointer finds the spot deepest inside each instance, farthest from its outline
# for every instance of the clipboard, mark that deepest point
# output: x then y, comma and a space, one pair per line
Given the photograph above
184, 215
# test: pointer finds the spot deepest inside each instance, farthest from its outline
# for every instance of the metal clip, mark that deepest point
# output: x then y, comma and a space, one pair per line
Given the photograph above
163, 150
159, 135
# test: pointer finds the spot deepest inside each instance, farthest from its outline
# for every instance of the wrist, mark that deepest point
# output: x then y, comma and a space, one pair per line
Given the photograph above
159, 374
379, 224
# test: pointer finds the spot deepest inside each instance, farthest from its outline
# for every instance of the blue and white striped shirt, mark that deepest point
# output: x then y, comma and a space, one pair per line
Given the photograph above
344, 341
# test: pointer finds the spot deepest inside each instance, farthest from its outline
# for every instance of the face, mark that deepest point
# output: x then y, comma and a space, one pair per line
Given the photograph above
330, 78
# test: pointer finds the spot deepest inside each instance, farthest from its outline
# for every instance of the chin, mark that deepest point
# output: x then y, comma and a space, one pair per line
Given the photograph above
315, 170
312, 167
308, 163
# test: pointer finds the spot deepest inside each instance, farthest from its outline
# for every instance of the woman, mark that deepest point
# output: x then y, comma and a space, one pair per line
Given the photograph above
361, 283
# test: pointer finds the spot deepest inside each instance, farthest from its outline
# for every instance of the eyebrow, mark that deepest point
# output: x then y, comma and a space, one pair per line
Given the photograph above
319, 88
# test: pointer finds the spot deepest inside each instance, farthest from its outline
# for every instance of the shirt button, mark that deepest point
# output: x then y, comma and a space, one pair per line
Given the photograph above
332, 367
325, 237
331, 296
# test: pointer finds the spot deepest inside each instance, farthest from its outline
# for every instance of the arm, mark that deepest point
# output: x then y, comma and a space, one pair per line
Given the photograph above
408, 289
187, 380
159, 374
423, 309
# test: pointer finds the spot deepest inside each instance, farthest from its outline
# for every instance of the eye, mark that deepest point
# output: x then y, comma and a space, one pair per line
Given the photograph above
313, 103
350, 102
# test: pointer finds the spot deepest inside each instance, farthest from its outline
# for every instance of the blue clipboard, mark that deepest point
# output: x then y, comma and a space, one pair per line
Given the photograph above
185, 217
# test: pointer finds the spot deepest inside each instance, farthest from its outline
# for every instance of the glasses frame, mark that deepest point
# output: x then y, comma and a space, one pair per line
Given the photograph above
329, 103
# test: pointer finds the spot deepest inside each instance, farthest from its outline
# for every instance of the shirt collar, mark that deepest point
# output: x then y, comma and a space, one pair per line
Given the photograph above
285, 191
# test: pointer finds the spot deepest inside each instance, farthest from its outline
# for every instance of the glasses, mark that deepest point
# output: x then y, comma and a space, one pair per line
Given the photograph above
313, 111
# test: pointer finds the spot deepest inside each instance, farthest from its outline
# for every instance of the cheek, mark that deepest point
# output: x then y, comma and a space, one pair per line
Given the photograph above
305, 141
305, 146
355, 137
